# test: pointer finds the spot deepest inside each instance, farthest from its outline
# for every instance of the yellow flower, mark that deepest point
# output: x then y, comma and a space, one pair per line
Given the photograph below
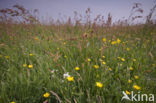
136, 87
119, 57
136, 77
129, 81
134, 60
103, 63
127, 49
104, 39
127, 92
88, 59
46, 95
98, 84
97, 76
103, 57
110, 69
64, 43
7, 57
24, 65
96, 66
120, 64
122, 59
113, 42
118, 41
30, 66
12, 102
77, 68
130, 68
65, 56
31, 54
153, 65
69, 78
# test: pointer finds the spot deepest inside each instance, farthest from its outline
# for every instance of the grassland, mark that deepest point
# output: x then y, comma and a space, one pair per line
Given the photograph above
38, 63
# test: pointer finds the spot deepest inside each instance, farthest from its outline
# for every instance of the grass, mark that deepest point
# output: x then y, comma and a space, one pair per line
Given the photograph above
56, 50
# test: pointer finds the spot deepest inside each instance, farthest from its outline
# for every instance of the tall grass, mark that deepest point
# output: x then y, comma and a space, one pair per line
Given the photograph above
121, 51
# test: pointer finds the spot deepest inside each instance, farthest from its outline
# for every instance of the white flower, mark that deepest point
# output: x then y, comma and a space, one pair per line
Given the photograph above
65, 75
52, 71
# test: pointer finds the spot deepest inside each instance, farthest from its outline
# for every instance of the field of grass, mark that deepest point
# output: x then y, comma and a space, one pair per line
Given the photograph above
75, 64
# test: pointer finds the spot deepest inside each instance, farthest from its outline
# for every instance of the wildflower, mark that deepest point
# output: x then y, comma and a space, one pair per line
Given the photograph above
110, 69
64, 43
46, 95
52, 71
109, 40
77, 68
30, 66
127, 92
31, 54
12, 102
153, 65
118, 41
136, 77
24, 65
113, 42
96, 66
69, 78
65, 56
66, 75
122, 59
127, 49
134, 60
88, 59
136, 87
103, 63
130, 68
97, 76
129, 81
119, 57
98, 84
103, 57
58, 48
120, 64
7, 57
104, 39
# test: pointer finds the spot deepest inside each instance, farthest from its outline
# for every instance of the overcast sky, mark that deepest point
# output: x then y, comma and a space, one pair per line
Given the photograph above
58, 8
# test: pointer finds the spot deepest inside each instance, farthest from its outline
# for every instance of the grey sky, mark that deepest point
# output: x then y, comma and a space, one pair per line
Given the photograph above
52, 8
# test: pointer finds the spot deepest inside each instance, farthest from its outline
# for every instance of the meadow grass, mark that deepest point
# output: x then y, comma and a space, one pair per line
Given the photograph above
35, 58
